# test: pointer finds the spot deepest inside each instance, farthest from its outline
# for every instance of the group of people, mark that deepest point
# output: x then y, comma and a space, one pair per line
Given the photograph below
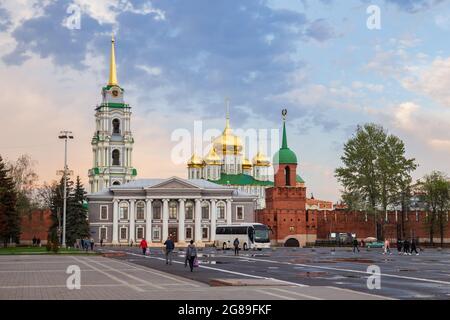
36, 242
191, 252
404, 247
407, 248
86, 244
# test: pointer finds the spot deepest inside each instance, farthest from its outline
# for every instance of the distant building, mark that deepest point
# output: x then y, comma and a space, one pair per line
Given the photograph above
35, 224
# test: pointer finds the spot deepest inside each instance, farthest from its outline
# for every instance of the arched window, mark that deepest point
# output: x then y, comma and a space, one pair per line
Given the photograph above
116, 126
287, 173
221, 210
156, 210
116, 157
205, 211
140, 206
173, 210
189, 210
116, 183
123, 211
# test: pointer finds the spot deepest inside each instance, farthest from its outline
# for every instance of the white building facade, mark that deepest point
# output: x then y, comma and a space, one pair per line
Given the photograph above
156, 208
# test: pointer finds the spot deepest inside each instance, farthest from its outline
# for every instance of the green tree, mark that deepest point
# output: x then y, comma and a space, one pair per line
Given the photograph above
9, 217
435, 188
77, 215
374, 168
56, 205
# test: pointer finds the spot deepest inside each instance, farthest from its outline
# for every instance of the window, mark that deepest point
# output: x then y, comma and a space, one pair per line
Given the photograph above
188, 233
140, 215
205, 211
156, 233
287, 173
205, 233
189, 213
221, 210
239, 213
102, 234
123, 233
123, 211
116, 126
116, 157
116, 183
103, 212
157, 210
140, 233
173, 210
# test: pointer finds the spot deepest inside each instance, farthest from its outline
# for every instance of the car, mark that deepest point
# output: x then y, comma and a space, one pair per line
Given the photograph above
375, 244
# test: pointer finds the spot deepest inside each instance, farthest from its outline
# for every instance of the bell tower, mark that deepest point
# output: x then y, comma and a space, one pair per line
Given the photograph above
112, 143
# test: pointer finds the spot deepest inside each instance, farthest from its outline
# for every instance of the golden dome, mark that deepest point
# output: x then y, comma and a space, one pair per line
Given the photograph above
261, 160
246, 164
213, 158
228, 142
195, 161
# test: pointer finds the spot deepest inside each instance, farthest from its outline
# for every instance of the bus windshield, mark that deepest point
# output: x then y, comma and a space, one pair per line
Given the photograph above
261, 233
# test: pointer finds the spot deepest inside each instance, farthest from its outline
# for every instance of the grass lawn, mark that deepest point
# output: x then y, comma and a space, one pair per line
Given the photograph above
40, 250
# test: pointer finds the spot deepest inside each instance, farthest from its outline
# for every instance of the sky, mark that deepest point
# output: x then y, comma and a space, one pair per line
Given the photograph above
178, 60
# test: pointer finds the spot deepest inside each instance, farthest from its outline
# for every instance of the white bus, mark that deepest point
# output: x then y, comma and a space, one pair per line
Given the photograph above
250, 235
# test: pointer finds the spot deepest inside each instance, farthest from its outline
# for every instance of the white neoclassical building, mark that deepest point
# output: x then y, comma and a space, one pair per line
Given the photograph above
156, 208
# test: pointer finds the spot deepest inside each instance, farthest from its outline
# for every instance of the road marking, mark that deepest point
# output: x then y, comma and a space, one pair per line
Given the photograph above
351, 271
109, 275
129, 275
274, 294
360, 293
298, 294
159, 273
220, 270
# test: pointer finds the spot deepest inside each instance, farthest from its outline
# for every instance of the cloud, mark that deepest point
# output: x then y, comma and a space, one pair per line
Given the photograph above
414, 6
432, 81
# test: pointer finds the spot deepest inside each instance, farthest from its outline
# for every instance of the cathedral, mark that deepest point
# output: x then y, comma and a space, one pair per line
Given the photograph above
226, 164
112, 143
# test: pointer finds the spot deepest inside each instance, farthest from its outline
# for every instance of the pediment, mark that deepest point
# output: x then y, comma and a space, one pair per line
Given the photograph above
174, 183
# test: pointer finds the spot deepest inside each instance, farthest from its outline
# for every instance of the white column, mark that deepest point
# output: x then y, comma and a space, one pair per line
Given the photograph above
165, 220
229, 213
115, 232
132, 220
148, 221
181, 220
198, 221
213, 220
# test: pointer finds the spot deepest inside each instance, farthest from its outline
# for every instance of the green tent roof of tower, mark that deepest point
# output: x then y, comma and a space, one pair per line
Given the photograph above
285, 155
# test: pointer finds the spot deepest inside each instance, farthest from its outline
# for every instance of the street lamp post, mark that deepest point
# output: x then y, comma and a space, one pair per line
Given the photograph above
65, 135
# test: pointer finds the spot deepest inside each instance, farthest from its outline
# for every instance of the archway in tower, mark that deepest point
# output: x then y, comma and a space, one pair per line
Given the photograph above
292, 242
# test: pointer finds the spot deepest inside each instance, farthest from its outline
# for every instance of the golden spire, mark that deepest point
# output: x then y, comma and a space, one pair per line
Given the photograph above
112, 66
227, 101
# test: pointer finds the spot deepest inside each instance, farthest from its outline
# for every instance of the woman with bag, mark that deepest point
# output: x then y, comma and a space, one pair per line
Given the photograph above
191, 254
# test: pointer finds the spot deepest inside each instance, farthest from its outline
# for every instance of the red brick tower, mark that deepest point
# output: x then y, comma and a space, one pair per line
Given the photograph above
285, 211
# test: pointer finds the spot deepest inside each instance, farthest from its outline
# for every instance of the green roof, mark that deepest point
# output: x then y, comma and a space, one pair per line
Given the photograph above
284, 155
240, 180
299, 179
96, 170
134, 172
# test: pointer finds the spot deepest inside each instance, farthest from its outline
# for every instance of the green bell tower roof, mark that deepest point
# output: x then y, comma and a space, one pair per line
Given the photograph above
285, 155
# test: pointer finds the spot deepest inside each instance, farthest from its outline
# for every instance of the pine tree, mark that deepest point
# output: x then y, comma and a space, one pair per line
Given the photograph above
9, 217
77, 226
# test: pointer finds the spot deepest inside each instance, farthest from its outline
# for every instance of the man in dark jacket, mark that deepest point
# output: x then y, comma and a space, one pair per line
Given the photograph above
169, 249
355, 245
236, 246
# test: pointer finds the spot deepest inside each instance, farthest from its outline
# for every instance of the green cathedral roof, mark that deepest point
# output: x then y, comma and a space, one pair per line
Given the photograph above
245, 180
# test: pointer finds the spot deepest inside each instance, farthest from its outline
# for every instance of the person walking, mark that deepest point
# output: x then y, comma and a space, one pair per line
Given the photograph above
38, 242
355, 245
387, 247
169, 249
34, 240
406, 247
236, 246
92, 244
191, 254
101, 242
143, 245
414, 247
399, 246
